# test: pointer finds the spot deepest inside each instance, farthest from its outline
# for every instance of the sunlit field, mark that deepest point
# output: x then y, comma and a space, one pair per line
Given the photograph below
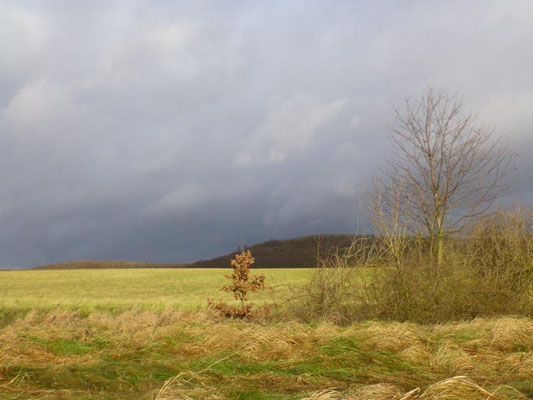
124, 289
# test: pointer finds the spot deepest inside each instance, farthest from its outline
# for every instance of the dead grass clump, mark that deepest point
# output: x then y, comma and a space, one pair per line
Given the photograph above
392, 336
417, 353
326, 394
455, 388
499, 334
452, 359
519, 363
505, 333
378, 391
458, 387
188, 385
255, 343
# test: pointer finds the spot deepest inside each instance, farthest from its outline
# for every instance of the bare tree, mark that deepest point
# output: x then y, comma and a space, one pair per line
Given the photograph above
389, 218
446, 170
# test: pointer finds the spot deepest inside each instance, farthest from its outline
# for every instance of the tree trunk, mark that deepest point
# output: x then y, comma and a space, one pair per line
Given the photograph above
440, 249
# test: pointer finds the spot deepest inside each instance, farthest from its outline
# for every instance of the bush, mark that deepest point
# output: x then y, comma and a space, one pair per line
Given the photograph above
501, 246
340, 284
488, 271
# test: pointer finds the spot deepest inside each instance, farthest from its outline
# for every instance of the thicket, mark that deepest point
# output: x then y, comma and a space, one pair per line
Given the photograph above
488, 271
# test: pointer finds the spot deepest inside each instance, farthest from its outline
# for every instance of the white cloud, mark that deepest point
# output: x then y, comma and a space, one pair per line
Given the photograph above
172, 37
290, 126
24, 38
181, 200
355, 121
40, 108
512, 114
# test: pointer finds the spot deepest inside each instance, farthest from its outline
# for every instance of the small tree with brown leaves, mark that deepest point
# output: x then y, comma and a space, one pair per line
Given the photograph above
241, 284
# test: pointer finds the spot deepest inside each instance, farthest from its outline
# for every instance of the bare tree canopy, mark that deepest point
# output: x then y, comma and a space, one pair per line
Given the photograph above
446, 170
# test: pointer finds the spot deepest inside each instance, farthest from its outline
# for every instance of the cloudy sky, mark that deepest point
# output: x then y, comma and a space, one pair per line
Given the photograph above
163, 131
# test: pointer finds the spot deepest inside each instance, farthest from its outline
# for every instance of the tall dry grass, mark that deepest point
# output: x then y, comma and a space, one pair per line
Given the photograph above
183, 355
457, 387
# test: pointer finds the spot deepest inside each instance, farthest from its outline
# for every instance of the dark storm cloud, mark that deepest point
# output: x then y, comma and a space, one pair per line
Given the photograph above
157, 131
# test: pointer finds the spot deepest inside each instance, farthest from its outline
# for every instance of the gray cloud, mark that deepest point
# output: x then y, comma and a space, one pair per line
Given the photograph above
162, 131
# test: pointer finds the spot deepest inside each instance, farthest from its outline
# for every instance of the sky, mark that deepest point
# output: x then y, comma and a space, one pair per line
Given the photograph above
166, 131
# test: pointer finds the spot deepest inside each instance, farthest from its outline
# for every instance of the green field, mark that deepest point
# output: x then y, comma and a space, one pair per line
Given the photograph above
123, 289
144, 335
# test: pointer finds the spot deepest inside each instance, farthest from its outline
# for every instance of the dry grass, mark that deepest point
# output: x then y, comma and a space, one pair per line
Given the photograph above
457, 387
171, 355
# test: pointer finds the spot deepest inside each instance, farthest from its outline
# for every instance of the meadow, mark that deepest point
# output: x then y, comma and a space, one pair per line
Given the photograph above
123, 289
145, 334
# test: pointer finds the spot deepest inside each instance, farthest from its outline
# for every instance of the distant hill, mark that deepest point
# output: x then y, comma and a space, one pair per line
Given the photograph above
299, 252
90, 264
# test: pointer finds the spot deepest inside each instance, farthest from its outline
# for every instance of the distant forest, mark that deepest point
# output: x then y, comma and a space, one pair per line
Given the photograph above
300, 252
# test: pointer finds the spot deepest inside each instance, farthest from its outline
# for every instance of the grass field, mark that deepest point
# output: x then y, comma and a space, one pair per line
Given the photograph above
123, 289
137, 334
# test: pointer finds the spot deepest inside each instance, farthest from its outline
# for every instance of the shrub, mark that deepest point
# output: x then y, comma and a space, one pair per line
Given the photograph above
340, 285
488, 271
241, 284
501, 246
